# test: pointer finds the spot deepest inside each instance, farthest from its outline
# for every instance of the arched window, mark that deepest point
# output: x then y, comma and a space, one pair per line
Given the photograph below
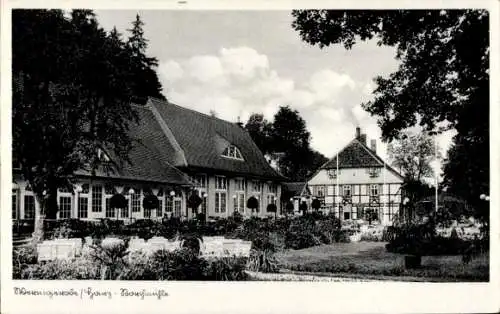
232, 152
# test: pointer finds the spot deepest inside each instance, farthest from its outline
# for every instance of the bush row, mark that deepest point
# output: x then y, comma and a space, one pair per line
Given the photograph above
182, 264
422, 240
265, 233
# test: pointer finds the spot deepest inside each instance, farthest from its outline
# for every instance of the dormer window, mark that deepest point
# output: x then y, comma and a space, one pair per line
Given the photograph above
232, 152
332, 173
374, 172
102, 156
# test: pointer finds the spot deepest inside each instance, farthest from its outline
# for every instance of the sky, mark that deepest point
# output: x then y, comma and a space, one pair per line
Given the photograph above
241, 62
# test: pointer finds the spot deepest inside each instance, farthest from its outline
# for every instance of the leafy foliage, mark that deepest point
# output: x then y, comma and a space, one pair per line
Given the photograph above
71, 99
286, 140
442, 81
253, 203
316, 204
412, 154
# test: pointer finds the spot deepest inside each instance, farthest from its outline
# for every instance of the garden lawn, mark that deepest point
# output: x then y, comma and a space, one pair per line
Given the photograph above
371, 258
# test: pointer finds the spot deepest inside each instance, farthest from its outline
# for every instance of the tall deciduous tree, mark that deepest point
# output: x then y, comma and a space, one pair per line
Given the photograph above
442, 79
147, 82
70, 100
260, 131
412, 154
286, 141
291, 138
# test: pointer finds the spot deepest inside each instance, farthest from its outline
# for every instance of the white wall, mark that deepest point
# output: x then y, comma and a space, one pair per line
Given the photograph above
354, 175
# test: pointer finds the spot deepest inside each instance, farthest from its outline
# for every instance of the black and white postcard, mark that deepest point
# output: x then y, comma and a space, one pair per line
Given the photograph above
236, 157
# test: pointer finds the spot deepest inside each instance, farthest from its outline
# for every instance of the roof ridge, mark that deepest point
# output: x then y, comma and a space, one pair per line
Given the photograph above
167, 132
374, 155
192, 110
379, 159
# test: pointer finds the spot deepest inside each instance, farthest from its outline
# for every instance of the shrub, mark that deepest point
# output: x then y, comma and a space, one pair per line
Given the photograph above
22, 257
69, 228
226, 268
75, 269
181, 264
109, 256
421, 240
263, 261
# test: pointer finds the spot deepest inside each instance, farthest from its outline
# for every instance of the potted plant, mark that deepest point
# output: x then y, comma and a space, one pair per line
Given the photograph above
253, 204
271, 208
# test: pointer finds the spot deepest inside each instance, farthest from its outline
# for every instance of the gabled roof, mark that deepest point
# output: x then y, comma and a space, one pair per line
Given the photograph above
201, 140
357, 155
151, 157
294, 188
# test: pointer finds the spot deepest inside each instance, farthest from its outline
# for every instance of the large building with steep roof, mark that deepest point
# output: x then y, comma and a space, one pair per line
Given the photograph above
357, 181
176, 152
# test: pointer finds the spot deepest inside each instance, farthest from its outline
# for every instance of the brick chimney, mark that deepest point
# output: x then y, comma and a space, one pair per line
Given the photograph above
373, 145
358, 132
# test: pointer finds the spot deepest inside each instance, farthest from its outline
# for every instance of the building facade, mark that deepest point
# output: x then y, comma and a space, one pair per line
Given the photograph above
176, 152
356, 182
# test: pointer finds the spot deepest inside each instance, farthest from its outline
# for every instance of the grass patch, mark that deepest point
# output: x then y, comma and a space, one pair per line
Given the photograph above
371, 258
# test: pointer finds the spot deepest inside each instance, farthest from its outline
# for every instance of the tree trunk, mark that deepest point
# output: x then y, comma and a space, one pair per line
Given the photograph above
37, 236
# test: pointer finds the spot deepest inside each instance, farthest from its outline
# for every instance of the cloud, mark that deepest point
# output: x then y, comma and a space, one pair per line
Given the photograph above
171, 70
239, 81
205, 68
243, 62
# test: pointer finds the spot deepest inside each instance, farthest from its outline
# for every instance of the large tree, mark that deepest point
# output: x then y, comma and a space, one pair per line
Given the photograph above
412, 154
260, 131
143, 67
286, 141
291, 138
442, 79
71, 100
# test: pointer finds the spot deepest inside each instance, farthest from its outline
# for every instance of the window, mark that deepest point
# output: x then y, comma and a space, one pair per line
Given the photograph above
318, 190
257, 196
64, 207
200, 181
273, 188
332, 173
177, 207
97, 198
124, 213
85, 189
110, 212
232, 152
374, 172
64, 189
136, 201
169, 205
346, 190
83, 206
239, 185
347, 215
29, 207
271, 199
159, 210
14, 205
239, 199
220, 202
256, 186
109, 189
374, 190
220, 194
220, 183
239, 202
